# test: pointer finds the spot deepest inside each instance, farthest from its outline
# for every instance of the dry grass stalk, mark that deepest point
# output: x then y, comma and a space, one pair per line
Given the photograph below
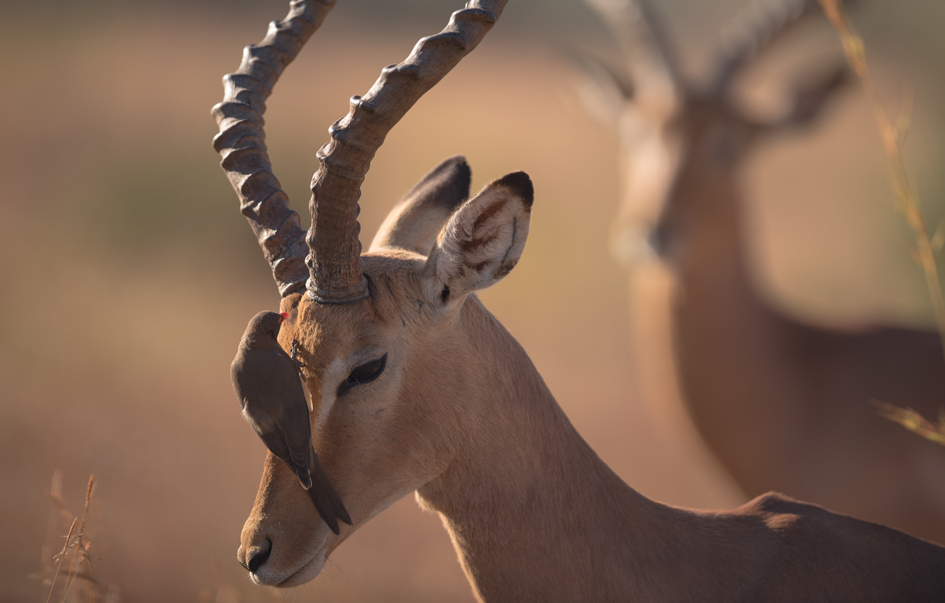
913, 421
79, 584
891, 134
61, 556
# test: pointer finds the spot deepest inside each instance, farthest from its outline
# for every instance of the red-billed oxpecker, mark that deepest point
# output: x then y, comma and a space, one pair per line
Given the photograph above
268, 386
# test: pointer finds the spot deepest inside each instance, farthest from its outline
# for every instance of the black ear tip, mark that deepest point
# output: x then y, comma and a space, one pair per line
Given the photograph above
454, 166
460, 171
457, 160
521, 185
447, 185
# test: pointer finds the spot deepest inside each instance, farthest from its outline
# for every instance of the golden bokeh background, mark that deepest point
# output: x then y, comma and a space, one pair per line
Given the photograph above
127, 273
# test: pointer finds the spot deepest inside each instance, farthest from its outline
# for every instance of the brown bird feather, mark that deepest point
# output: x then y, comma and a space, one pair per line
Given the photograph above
267, 384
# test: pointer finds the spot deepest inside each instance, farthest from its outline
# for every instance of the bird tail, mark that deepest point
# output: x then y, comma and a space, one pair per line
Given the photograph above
324, 507
334, 500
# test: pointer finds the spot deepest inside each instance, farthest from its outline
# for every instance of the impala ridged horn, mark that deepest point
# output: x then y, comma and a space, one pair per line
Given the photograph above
332, 262
335, 270
241, 141
752, 30
645, 47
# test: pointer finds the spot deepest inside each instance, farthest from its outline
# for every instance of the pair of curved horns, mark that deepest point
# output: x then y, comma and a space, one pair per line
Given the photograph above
329, 266
649, 55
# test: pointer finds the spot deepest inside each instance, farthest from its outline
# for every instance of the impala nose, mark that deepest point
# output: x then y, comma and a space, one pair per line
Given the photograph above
253, 557
657, 238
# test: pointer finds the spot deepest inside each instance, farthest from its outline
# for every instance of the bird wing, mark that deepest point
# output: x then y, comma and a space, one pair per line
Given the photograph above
294, 418
297, 428
270, 391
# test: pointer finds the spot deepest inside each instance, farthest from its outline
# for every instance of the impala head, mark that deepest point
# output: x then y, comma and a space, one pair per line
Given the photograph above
380, 334
681, 144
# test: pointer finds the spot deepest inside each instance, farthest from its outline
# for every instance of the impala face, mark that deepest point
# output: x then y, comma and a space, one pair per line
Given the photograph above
709, 141
661, 152
369, 427
391, 378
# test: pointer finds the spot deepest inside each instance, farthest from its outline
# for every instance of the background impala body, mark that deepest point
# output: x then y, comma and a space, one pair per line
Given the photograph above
458, 413
782, 404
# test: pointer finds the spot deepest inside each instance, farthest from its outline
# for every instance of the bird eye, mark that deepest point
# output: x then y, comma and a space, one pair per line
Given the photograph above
367, 372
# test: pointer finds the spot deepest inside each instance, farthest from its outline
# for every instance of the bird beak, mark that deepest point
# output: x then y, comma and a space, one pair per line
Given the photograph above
282, 317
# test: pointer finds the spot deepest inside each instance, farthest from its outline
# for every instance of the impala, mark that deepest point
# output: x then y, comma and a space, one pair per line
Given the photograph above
416, 387
783, 405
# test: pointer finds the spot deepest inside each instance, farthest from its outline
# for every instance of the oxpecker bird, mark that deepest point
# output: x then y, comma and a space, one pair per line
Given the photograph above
269, 388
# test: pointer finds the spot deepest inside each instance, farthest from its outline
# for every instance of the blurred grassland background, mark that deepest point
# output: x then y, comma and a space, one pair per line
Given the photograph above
127, 273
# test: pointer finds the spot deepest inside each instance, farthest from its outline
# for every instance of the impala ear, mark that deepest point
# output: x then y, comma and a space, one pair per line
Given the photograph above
415, 222
482, 241
602, 90
812, 96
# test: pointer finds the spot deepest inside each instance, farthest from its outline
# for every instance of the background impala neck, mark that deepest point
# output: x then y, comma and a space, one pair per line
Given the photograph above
704, 221
731, 344
523, 480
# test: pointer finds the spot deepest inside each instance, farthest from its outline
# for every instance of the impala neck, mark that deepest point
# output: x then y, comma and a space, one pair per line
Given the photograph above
712, 235
523, 480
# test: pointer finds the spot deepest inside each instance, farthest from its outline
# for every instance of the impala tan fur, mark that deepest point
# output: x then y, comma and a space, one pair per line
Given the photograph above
783, 405
416, 387
461, 416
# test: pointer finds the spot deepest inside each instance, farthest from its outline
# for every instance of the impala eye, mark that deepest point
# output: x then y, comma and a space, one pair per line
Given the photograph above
367, 372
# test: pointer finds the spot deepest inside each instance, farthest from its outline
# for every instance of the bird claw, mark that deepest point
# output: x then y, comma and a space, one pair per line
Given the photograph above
294, 354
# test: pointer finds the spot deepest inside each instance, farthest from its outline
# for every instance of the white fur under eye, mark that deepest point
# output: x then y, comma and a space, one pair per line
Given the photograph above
335, 373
